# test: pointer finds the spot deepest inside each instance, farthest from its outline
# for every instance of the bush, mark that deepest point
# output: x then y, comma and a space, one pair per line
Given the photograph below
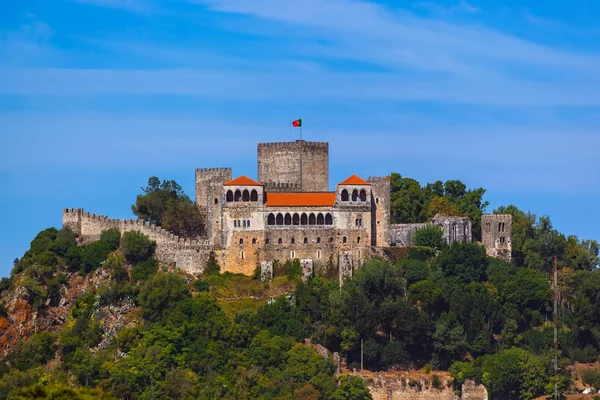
94, 255
201, 285
212, 267
420, 253
137, 247
112, 237
430, 236
65, 239
591, 377
142, 271
427, 369
436, 382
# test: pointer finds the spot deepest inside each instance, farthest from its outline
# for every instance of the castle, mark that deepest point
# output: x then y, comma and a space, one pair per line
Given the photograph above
289, 213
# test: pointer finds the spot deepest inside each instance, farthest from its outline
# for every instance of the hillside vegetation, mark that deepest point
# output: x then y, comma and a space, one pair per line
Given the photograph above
109, 321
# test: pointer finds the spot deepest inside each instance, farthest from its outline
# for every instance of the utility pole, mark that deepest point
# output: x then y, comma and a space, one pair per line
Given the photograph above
555, 329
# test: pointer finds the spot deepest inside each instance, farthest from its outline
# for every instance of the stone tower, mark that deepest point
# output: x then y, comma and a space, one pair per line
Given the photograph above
210, 199
497, 235
380, 214
294, 166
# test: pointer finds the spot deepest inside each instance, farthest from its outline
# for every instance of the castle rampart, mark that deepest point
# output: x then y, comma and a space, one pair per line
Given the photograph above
189, 255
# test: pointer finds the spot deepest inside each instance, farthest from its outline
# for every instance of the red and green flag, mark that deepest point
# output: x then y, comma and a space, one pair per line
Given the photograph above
297, 123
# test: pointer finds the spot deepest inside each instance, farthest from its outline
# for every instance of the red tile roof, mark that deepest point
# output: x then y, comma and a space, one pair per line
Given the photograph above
242, 181
354, 180
323, 199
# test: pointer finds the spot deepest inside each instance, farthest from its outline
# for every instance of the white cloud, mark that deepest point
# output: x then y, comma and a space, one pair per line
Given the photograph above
140, 6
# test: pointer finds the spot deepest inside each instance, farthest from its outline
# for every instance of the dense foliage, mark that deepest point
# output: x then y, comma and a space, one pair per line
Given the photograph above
165, 204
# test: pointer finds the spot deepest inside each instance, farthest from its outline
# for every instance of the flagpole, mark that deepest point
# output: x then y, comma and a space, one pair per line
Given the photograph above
290, 128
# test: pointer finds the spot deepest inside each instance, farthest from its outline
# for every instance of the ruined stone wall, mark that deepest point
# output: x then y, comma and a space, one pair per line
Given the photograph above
401, 235
496, 235
456, 229
394, 386
380, 206
287, 166
188, 255
210, 198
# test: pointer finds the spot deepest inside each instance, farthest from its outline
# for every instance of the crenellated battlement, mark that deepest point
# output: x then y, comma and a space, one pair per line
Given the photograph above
378, 179
280, 185
323, 145
215, 171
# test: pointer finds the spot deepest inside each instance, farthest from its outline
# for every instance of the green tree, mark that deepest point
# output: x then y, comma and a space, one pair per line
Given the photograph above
137, 247
430, 236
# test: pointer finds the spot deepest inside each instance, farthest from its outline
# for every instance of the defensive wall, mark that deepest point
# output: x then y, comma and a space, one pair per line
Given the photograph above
186, 254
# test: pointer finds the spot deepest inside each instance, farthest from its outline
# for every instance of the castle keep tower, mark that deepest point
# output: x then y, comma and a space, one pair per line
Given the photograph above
380, 211
496, 235
294, 166
210, 199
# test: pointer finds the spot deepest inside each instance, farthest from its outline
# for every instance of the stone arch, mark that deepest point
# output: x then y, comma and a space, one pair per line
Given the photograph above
305, 240
296, 219
253, 195
216, 201
344, 239
271, 219
312, 220
245, 195
279, 219
244, 224
241, 241
320, 219
237, 196
287, 219
328, 219
279, 241
267, 241
293, 240
304, 219
344, 195
318, 240
229, 196
363, 195
354, 195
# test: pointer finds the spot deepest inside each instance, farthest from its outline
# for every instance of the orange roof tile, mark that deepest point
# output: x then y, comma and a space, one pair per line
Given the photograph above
354, 180
242, 181
323, 199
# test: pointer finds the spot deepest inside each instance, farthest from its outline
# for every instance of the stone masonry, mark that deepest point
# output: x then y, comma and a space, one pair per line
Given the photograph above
289, 213
496, 235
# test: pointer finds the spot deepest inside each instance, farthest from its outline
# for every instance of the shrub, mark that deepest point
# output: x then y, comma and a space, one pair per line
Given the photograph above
201, 285
591, 377
112, 237
137, 247
421, 253
430, 236
94, 255
212, 266
144, 269
65, 239
436, 382
427, 369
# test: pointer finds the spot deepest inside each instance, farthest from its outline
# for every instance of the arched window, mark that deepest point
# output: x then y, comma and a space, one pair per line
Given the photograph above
267, 241
344, 195
331, 239
328, 219
312, 220
318, 253
293, 241
246, 195
303, 219
279, 241
229, 196
377, 200
279, 219
296, 219
271, 219
253, 240
253, 195
345, 239
248, 224
354, 195
238, 195
363, 195
318, 240
292, 254
216, 201
235, 223
241, 241
305, 240
288, 219
244, 223
320, 219
358, 239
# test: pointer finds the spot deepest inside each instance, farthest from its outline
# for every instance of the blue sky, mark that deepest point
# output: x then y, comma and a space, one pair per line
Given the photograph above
98, 95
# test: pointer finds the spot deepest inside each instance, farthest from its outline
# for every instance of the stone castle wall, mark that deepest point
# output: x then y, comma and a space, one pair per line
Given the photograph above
188, 255
380, 210
210, 200
496, 235
294, 166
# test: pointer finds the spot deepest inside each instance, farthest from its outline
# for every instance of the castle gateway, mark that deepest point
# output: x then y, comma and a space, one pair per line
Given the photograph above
289, 213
